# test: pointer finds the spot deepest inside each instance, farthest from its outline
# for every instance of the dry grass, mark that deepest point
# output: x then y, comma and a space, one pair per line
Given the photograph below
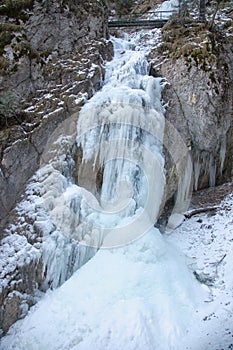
195, 42
211, 196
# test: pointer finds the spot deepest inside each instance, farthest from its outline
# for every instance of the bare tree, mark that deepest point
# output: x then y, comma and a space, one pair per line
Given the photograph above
215, 13
179, 6
202, 10
183, 10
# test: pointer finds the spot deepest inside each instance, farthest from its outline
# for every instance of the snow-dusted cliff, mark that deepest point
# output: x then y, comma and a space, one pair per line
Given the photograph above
54, 54
52, 60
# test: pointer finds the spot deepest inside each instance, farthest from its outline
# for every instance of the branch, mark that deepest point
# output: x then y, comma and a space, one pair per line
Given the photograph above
219, 262
215, 13
193, 212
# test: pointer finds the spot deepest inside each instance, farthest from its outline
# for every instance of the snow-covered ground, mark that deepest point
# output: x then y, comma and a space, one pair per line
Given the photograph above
208, 240
143, 296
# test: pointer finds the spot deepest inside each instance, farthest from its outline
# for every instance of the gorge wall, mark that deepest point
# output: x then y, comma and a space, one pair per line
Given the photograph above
52, 60
197, 63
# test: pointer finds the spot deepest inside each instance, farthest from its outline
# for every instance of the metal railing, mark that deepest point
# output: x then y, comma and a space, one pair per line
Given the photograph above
151, 19
157, 14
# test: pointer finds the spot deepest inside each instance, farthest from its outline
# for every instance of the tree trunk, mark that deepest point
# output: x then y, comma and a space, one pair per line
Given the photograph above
183, 11
179, 6
214, 15
202, 10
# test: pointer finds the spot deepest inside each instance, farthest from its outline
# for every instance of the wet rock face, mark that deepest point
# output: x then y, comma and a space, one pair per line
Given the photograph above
199, 95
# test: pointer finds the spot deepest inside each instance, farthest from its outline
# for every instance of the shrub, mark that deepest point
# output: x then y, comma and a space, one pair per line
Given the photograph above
123, 7
9, 108
4, 64
7, 31
12, 8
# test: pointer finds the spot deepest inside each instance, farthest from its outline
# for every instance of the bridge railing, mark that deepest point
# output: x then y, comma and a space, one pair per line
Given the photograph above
161, 14
153, 15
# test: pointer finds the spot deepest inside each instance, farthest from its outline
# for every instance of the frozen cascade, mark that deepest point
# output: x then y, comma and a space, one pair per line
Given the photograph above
139, 293
121, 131
169, 7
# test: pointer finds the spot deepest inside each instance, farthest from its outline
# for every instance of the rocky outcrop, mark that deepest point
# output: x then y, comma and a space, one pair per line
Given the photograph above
50, 30
19, 294
197, 63
20, 161
62, 66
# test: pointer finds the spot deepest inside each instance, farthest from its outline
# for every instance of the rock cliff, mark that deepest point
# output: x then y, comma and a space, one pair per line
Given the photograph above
52, 58
196, 60
53, 61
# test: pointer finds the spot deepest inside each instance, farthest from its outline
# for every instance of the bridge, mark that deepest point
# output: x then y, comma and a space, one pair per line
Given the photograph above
155, 19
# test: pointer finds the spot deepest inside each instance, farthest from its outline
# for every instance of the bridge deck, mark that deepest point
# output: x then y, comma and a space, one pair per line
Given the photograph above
137, 23
157, 20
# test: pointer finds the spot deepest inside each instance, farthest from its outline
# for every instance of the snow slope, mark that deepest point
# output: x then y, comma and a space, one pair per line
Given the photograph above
141, 296
208, 240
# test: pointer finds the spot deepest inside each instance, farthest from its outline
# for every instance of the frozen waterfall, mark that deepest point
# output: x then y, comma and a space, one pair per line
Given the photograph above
120, 130
139, 293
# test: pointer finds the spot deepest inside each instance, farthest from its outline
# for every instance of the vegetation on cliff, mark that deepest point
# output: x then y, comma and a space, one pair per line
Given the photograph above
15, 9
39, 39
200, 43
195, 56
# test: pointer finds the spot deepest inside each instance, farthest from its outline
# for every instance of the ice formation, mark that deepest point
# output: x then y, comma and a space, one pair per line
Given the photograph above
121, 131
139, 293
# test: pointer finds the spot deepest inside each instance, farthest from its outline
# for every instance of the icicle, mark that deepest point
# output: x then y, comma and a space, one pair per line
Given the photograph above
197, 169
205, 164
222, 153
212, 171
184, 191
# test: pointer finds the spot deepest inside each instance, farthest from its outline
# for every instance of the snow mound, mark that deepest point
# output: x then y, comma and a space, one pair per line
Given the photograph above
141, 296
